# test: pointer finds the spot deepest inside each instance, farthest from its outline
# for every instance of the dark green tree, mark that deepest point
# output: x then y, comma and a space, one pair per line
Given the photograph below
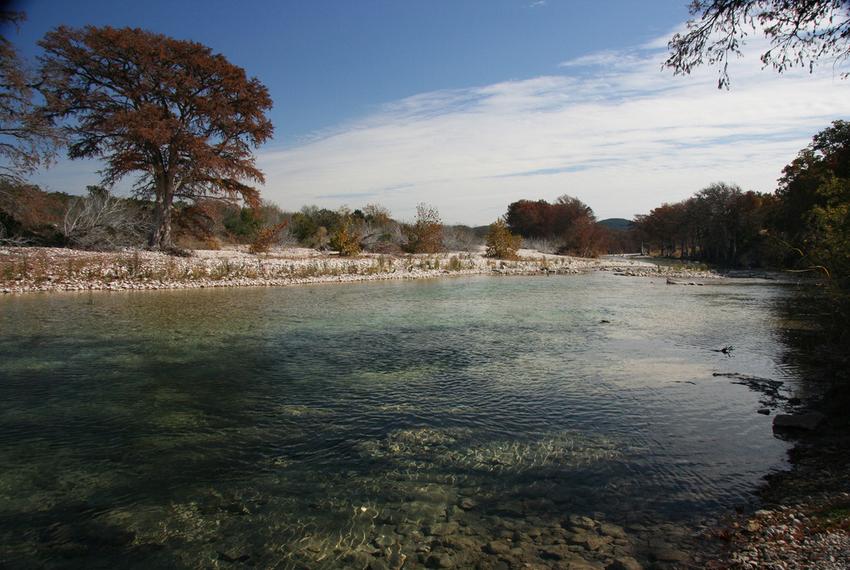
814, 194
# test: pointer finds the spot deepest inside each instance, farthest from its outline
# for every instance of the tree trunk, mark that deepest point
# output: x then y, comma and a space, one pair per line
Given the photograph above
160, 237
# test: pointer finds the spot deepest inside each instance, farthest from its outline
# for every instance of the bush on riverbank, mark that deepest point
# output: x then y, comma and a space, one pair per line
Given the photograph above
346, 240
501, 243
425, 235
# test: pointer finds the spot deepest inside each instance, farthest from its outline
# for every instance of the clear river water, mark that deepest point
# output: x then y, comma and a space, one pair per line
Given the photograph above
362, 425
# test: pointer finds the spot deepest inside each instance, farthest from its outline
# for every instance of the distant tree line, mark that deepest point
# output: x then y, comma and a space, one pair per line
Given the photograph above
719, 224
568, 226
804, 225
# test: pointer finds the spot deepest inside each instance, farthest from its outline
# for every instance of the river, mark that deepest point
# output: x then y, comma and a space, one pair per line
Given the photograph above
367, 424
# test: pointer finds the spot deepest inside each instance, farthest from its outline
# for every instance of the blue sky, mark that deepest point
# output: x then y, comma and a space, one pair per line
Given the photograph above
472, 104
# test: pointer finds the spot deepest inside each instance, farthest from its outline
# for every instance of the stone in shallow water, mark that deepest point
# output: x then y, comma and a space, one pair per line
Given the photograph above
669, 554
624, 563
384, 540
496, 547
442, 529
612, 530
378, 564
586, 540
582, 521
439, 560
467, 504
807, 421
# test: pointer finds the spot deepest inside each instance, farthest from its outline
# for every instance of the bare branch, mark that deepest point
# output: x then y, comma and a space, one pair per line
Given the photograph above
801, 34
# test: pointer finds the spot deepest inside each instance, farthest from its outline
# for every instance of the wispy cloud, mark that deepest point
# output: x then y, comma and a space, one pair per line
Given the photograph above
613, 129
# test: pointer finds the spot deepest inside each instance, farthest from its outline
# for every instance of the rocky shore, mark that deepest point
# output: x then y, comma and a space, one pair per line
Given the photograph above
25, 270
804, 519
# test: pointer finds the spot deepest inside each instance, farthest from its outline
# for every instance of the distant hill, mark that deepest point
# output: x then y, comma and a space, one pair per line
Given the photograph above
620, 224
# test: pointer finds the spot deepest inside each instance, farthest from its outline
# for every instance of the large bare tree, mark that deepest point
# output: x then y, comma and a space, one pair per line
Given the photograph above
801, 33
183, 118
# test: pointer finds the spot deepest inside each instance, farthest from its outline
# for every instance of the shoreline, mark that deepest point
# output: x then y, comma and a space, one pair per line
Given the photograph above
31, 270
785, 528
802, 516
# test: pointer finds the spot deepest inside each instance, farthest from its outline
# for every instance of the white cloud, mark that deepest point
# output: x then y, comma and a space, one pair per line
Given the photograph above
613, 129
622, 135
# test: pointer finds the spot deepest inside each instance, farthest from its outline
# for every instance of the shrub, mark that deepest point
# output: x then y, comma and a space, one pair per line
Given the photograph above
501, 243
266, 237
345, 240
31, 216
307, 225
426, 234
243, 224
377, 214
102, 221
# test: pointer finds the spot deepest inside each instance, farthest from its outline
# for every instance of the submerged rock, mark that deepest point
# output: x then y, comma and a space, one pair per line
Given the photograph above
612, 530
669, 554
582, 521
439, 560
808, 421
467, 504
496, 547
624, 563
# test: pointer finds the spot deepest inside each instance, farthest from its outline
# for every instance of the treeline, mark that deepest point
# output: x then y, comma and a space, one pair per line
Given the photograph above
720, 224
101, 221
804, 225
566, 227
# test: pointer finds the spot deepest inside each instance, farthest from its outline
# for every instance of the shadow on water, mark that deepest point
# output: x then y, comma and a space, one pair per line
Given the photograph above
369, 425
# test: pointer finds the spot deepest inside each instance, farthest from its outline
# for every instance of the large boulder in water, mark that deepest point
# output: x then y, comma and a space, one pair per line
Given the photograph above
808, 421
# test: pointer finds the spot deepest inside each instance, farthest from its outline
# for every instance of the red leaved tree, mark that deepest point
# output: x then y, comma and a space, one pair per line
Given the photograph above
183, 118
27, 139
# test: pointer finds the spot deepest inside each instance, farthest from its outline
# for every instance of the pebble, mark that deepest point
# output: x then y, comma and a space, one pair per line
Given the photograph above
783, 538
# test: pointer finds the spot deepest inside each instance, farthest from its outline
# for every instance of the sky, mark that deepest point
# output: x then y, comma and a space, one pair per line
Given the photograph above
470, 105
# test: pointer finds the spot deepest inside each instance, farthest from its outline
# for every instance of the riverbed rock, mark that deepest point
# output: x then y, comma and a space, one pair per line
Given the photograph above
669, 554
442, 529
624, 563
378, 564
582, 521
612, 530
439, 560
496, 547
467, 504
587, 541
808, 421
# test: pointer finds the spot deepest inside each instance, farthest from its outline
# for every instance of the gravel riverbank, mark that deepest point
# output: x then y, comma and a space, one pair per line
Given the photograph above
804, 519
34, 269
